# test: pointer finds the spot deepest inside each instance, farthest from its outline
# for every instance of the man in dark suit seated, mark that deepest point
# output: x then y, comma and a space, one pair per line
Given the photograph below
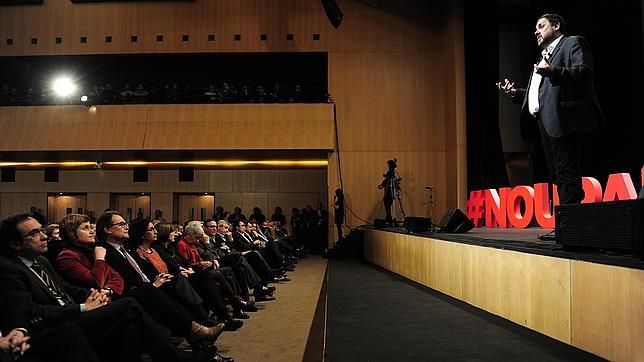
112, 231
63, 343
118, 331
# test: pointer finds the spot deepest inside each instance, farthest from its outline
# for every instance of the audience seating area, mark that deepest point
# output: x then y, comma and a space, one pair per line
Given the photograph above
145, 287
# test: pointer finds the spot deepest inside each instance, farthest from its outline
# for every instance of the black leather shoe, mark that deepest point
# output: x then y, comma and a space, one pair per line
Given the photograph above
251, 308
268, 289
246, 303
551, 236
220, 358
233, 324
239, 314
264, 298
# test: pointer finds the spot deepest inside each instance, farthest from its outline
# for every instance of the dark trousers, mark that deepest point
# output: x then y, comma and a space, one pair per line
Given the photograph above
244, 273
121, 330
180, 289
63, 343
259, 265
563, 156
163, 309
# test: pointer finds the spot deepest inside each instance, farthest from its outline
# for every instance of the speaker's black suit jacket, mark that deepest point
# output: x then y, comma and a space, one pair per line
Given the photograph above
567, 99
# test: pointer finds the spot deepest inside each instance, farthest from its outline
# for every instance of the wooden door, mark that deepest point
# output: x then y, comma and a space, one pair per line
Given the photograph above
195, 207
61, 205
131, 206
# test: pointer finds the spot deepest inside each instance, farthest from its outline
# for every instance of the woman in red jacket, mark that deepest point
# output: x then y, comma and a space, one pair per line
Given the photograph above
80, 263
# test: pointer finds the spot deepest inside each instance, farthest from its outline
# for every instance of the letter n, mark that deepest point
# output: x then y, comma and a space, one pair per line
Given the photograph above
496, 208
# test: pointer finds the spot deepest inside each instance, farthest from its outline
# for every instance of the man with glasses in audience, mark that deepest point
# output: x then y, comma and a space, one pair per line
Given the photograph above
118, 331
111, 232
244, 244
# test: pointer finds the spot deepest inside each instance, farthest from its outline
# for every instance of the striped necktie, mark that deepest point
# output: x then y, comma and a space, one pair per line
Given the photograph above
56, 289
134, 264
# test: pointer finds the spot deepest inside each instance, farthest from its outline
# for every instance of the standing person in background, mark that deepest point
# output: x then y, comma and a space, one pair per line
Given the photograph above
338, 206
278, 216
321, 227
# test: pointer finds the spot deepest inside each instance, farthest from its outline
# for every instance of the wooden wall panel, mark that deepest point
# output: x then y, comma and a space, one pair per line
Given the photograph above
99, 201
395, 72
607, 311
20, 202
152, 127
163, 184
362, 173
162, 201
531, 290
595, 307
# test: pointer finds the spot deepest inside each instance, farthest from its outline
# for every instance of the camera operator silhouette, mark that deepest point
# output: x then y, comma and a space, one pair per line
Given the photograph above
391, 186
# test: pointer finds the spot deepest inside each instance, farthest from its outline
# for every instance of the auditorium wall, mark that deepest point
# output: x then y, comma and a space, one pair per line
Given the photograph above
395, 73
244, 188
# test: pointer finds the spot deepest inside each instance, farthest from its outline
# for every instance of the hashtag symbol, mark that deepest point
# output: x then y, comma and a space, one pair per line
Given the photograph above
476, 207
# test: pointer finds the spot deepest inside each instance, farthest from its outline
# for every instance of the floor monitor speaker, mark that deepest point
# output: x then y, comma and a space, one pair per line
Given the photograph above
418, 224
455, 221
613, 225
380, 223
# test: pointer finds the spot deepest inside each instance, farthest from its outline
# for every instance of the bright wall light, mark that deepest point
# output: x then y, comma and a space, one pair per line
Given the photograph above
207, 163
63, 86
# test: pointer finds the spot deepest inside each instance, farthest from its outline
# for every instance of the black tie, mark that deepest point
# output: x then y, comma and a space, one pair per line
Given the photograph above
56, 289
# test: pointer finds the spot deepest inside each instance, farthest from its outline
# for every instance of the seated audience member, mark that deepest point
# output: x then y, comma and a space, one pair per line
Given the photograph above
80, 262
207, 251
212, 94
118, 331
140, 94
222, 239
245, 246
207, 271
269, 249
83, 266
54, 244
18, 341
112, 232
228, 261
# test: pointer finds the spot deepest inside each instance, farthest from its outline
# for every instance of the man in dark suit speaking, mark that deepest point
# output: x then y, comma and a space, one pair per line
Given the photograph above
562, 100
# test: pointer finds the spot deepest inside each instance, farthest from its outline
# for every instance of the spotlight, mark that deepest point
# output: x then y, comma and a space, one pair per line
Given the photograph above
63, 87
83, 98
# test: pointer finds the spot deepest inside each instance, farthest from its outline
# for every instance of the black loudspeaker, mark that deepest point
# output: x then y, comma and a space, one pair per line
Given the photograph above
51, 174
380, 223
186, 174
613, 225
8, 174
455, 221
140, 174
417, 224
333, 12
